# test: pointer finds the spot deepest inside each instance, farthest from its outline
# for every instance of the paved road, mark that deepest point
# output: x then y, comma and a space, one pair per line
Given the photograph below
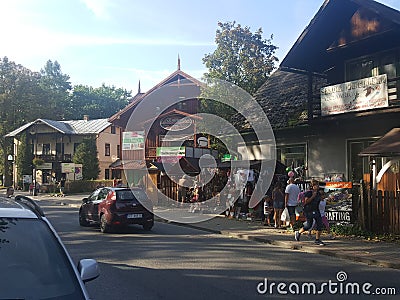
174, 262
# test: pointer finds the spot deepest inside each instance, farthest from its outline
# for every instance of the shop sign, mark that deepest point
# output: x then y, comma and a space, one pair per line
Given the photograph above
133, 140
170, 151
67, 168
175, 123
45, 166
363, 94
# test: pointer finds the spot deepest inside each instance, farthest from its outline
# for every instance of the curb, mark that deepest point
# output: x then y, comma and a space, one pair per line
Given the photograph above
290, 245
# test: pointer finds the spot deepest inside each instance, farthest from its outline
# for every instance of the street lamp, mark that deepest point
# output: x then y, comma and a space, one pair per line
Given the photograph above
10, 159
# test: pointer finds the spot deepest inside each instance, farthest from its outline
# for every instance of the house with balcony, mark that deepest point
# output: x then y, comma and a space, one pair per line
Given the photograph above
55, 142
160, 140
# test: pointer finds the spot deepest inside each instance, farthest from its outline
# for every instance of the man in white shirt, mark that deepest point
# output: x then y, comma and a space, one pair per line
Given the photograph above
292, 191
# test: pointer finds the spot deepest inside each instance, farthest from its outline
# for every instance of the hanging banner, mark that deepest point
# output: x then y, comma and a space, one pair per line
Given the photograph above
133, 140
363, 94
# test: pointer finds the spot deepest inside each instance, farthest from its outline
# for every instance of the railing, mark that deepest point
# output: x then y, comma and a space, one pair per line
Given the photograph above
55, 158
379, 211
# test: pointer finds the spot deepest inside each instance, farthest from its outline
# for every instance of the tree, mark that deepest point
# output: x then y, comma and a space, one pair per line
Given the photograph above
98, 103
242, 57
86, 154
56, 86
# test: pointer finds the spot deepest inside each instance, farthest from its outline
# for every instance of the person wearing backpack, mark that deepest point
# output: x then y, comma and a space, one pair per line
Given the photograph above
311, 211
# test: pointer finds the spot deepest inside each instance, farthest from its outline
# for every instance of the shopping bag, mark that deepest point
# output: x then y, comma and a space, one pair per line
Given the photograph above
285, 215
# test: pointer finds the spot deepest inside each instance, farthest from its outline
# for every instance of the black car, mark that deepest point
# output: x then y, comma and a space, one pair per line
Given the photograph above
112, 207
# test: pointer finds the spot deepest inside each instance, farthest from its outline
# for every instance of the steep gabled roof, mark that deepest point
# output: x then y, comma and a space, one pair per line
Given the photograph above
283, 98
178, 77
72, 127
312, 50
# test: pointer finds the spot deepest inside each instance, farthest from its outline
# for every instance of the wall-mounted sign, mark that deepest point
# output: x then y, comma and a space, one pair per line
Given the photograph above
45, 166
171, 151
133, 140
175, 123
363, 94
67, 168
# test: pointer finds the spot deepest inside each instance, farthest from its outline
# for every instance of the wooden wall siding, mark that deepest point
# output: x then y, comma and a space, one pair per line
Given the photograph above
389, 182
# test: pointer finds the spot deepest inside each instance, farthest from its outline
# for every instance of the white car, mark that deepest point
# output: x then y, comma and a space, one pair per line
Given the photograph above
34, 263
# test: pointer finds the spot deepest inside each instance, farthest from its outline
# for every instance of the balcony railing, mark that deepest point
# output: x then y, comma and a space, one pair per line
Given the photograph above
55, 158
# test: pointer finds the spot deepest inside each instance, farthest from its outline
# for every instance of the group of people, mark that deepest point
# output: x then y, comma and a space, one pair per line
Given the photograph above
313, 208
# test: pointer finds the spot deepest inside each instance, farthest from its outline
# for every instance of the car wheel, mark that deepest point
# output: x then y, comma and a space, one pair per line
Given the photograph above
82, 220
104, 227
148, 226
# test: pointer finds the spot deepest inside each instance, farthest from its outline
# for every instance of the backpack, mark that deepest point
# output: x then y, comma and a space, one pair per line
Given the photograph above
301, 198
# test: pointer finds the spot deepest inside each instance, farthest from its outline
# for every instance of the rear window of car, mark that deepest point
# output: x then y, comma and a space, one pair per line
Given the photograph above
33, 263
129, 195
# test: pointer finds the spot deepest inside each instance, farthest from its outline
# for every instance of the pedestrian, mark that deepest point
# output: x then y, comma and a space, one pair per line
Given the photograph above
322, 206
62, 186
278, 199
311, 211
268, 207
292, 191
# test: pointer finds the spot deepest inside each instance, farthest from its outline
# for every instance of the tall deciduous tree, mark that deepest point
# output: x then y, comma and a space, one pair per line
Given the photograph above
242, 57
86, 154
101, 102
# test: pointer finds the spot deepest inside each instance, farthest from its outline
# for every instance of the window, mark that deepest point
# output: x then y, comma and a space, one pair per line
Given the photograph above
118, 150
107, 174
107, 149
46, 149
113, 129
292, 155
76, 146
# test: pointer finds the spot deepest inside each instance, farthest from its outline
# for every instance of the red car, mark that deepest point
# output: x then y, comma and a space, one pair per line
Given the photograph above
112, 207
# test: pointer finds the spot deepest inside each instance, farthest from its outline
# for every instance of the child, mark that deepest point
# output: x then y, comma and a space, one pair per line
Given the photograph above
322, 206
268, 207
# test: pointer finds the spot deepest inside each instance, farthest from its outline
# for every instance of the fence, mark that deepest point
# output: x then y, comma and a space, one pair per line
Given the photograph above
379, 211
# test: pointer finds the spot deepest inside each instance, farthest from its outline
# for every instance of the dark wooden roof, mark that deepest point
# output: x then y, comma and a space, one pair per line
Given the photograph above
336, 26
283, 98
121, 118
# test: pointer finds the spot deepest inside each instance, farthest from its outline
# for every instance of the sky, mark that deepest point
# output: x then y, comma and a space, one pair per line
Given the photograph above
119, 42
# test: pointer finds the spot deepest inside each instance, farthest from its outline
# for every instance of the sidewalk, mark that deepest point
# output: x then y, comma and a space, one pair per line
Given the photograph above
383, 254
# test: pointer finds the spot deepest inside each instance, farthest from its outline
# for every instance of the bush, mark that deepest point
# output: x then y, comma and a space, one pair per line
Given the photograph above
85, 186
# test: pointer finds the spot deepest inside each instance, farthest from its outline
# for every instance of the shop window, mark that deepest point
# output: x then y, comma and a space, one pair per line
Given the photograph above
107, 150
292, 155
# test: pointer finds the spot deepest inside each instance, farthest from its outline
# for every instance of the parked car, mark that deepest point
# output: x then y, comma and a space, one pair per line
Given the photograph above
112, 207
34, 262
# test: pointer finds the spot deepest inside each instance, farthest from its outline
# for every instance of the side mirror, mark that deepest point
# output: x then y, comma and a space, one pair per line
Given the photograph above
88, 269
84, 200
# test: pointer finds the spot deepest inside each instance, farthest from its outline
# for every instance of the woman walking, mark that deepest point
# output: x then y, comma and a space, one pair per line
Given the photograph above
278, 198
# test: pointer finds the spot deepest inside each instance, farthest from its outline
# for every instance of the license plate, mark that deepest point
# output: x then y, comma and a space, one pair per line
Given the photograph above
134, 216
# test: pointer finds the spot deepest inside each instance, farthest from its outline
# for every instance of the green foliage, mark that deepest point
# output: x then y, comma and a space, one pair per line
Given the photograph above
356, 231
26, 96
99, 102
242, 57
86, 154
85, 186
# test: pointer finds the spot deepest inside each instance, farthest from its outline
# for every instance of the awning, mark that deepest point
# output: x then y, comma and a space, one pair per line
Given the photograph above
386, 146
187, 164
128, 164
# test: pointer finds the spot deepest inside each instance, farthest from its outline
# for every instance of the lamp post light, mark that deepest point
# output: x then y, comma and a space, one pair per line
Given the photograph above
10, 159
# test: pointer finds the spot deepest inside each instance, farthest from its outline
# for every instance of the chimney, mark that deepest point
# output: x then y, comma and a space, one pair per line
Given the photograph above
86, 117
